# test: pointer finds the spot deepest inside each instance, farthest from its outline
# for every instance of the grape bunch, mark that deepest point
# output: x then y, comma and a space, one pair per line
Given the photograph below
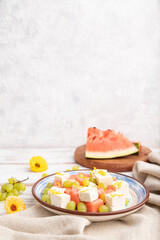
12, 188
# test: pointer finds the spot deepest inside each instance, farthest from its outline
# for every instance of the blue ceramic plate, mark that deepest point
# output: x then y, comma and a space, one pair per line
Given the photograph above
138, 195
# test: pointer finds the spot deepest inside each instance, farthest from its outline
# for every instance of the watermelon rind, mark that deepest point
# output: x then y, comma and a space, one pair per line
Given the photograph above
138, 145
111, 154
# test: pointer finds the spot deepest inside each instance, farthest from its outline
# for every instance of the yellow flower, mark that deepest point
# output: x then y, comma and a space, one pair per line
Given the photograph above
14, 204
38, 164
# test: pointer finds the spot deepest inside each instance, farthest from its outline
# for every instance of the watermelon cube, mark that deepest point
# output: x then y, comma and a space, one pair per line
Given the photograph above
74, 196
57, 184
80, 180
110, 189
94, 206
100, 191
73, 177
68, 190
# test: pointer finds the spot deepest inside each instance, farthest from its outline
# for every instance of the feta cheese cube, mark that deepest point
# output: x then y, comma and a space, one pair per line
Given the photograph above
115, 201
62, 177
60, 199
91, 184
55, 189
106, 178
121, 186
95, 171
88, 194
76, 187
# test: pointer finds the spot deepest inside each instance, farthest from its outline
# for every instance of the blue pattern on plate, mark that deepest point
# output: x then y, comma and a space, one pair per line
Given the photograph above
135, 186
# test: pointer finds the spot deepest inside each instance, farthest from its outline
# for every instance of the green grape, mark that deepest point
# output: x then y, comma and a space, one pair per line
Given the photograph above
45, 191
12, 180
44, 174
67, 184
0, 194
90, 174
102, 196
22, 187
81, 207
45, 198
9, 187
91, 179
3, 188
76, 183
94, 181
81, 175
103, 208
71, 205
68, 170
16, 186
15, 192
75, 168
49, 200
126, 201
85, 182
49, 185
9, 194
3, 196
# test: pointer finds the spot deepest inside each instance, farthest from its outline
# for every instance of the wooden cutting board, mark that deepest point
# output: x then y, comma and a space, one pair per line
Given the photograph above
121, 164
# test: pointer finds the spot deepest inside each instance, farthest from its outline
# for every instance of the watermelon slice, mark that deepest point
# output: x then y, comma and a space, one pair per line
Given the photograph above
108, 144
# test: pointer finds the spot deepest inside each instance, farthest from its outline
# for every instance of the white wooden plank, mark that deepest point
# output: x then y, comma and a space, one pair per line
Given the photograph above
52, 155
55, 155
23, 171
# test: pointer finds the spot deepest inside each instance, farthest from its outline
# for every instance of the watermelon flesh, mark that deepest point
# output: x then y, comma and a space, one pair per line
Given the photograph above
74, 196
57, 184
94, 206
108, 144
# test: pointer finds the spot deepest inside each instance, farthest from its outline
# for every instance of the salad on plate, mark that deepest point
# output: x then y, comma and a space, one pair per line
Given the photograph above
97, 191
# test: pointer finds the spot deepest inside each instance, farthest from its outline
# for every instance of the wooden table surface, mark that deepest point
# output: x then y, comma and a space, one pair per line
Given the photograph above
15, 162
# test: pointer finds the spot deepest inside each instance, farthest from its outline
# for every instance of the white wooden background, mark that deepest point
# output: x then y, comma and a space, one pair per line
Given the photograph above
15, 162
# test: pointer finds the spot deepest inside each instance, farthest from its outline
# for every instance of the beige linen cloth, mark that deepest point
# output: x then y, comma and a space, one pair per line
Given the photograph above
37, 223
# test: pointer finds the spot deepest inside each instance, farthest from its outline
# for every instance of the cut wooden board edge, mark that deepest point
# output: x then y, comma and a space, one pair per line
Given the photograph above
121, 164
